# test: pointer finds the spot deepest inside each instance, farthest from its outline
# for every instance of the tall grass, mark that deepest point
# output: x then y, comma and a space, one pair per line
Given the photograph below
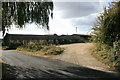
108, 55
44, 49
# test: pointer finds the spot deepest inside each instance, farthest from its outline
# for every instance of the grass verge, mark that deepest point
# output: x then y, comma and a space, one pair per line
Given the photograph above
42, 49
106, 55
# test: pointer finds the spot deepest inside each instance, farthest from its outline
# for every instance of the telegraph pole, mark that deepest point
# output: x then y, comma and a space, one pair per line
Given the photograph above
76, 29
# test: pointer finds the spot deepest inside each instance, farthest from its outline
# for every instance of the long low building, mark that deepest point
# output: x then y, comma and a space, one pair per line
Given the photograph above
10, 39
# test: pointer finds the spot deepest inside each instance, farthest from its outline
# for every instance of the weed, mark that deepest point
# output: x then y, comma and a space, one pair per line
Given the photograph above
39, 48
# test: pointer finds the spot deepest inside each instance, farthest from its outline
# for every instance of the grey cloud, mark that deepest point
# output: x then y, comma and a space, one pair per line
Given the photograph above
87, 20
76, 9
81, 14
84, 23
84, 28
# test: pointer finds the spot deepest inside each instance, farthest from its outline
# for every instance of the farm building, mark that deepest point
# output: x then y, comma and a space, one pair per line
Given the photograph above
12, 39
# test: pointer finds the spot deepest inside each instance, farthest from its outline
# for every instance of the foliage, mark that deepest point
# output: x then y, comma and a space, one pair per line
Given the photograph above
108, 25
103, 53
116, 51
106, 35
26, 12
0, 16
52, 49
107, 55
44, 49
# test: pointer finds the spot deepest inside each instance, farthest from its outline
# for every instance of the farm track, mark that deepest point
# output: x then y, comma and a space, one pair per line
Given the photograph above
28, 66
80, 54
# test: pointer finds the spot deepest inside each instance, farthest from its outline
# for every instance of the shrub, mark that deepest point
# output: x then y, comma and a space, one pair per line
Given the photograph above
116, 51
44, 49
55, 50
105, 33
107, 55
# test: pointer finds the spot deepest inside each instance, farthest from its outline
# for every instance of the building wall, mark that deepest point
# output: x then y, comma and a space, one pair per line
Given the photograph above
11, 39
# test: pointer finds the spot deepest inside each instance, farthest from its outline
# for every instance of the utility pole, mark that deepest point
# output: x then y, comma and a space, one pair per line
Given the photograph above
76, 29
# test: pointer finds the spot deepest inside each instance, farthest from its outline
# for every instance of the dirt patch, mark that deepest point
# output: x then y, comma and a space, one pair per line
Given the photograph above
80, 54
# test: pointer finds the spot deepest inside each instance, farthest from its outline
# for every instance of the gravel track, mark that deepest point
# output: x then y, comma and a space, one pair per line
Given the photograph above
80, 54
71, 64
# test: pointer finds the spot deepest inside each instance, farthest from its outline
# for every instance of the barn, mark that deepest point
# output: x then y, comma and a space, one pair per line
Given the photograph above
21, 39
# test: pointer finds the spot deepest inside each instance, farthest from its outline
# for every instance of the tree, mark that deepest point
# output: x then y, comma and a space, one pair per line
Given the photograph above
0, 17
26, 12
108, 25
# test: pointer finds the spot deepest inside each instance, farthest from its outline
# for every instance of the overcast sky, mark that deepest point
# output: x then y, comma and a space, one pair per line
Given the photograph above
69, 15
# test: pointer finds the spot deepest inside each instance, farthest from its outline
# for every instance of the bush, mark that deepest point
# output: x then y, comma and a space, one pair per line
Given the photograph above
44, 49
107, 55
116, 51
106, 35
55, 51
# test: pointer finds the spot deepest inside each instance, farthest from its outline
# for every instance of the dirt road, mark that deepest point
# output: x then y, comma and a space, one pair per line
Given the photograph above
80, 54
